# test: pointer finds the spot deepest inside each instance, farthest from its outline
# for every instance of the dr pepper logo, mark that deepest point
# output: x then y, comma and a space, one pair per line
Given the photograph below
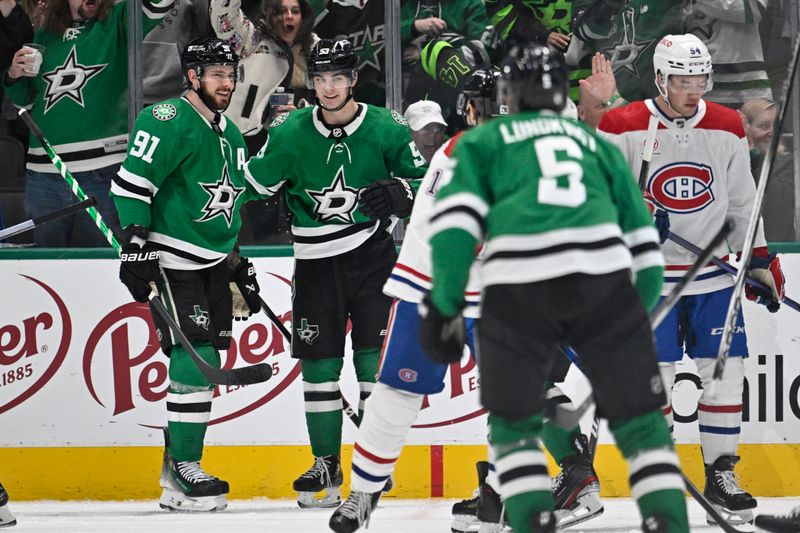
126, 372
35, 335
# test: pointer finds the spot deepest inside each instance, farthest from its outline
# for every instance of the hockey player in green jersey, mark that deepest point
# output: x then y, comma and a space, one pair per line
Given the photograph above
567, 238
347, 168
178, 193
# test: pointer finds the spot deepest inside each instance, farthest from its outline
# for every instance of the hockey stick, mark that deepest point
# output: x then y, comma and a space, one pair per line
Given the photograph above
755, 219
237, 376
647, 151
730, 269
33, 222
664, 306
346, 407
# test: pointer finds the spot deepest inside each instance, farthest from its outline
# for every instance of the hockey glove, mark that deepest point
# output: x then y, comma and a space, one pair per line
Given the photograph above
139, 264
766, 268
660, 217
385, 198
244, 290
440, 336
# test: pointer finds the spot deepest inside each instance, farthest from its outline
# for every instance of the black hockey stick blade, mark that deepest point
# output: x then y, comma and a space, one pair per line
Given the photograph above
58, 213
564, 417
723, 524
346, 407
246, 375
664, 306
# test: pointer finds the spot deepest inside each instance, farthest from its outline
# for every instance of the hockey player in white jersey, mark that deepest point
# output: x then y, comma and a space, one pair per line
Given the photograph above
700, 174
6, 518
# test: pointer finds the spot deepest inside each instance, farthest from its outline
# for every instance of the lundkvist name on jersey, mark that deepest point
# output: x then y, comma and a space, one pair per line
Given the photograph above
522, 130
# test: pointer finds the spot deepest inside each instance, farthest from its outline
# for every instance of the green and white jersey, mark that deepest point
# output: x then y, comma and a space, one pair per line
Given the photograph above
80, 97
185, 182
323, 167
548, 197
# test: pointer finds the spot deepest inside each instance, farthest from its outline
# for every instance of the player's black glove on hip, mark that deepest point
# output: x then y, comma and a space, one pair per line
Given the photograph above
244, 290
440, 336
139, 263
385, 198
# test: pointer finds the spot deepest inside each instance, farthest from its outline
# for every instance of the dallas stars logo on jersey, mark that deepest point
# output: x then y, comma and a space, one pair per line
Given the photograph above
336, 202
222, 198
69, 80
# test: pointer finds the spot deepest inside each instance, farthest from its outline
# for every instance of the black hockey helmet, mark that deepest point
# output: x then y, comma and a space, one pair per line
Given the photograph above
533, 76
208, 51
480, 87
331, 55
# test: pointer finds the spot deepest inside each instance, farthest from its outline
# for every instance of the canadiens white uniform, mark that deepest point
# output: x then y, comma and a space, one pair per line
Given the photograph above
700, 173
411, 278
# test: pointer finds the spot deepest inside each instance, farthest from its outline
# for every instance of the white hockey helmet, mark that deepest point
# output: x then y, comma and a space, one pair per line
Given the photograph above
681, 55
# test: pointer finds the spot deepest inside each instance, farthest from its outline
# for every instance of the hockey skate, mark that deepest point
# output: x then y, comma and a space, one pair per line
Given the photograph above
354, 512
6, 518
188, 488
465, 512
788, 523
491, 513
324, 475
576, 489
723, 491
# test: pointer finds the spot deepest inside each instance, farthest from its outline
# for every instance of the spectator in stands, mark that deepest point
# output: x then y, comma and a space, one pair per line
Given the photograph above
162, 47
362, 23
427, 126
273, 51
598, 92
15, 29
79, 100
758, 116
626, 31
730, 32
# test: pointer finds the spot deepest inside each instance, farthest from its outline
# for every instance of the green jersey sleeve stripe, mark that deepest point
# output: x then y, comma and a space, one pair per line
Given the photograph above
133, 186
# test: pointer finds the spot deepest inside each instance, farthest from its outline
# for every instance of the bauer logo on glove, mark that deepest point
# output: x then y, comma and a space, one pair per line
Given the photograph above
385, 198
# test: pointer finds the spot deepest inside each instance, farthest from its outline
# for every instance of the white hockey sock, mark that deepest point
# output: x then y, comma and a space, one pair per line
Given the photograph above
388, 415
720, 418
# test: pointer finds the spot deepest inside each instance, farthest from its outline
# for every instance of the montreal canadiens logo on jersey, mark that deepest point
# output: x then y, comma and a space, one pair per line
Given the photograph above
682, 187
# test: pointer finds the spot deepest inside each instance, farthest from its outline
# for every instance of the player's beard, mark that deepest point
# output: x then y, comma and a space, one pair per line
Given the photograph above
220, 103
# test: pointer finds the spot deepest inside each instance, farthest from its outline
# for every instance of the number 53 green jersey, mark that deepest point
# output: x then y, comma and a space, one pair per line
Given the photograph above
323, 167
185, 181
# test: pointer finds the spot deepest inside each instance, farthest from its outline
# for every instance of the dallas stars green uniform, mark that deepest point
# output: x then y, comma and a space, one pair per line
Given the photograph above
342, 259
628, 38
80, 96
324, 166
185, 182
564, 226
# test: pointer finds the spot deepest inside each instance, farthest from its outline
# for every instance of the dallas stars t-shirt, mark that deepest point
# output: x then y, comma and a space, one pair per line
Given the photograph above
323, 167
80, 97
185, 181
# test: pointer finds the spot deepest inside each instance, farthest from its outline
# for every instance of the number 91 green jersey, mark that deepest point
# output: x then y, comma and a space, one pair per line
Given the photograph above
185, 182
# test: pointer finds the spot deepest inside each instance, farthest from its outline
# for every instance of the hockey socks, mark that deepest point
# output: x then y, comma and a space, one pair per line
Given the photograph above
381, 436
522, 469
366, 361
323, 405
654, 471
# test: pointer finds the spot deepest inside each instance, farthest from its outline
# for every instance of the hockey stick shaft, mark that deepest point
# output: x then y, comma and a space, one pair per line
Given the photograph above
703, 256
730, 269
700, 498
647, 151
33, 222
237, 376
755, 219
346, 407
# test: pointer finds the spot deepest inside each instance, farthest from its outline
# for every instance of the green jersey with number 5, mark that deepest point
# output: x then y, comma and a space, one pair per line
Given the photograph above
549, 198
185, 181
323, 167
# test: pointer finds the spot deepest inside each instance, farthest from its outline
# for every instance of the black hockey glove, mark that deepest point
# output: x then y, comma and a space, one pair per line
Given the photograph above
139, 264
244, 289
385, 198
660, 217
440, 336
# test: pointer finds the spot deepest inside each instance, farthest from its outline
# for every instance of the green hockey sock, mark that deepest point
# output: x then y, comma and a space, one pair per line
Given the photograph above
366, 361
323, 404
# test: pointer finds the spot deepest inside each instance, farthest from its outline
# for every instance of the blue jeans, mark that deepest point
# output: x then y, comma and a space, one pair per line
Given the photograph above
45, 193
